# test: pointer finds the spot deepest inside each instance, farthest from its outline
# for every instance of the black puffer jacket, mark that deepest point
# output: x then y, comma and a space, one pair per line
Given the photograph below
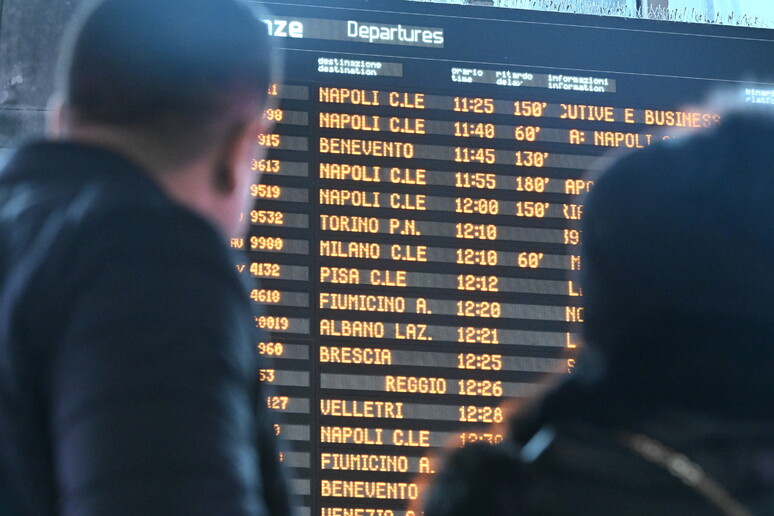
583, 469
127, 350
678, 254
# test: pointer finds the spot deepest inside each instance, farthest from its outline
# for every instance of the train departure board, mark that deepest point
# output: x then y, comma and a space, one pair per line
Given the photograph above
417, 224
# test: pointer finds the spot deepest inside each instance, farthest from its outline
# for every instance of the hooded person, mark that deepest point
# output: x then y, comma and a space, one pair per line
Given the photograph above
668, 410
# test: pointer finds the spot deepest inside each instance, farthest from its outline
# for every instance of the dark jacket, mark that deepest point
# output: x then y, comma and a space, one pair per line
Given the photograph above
127, 362
583, 469
678, 254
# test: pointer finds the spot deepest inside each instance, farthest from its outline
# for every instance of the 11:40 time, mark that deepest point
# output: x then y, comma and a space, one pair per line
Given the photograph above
474, 130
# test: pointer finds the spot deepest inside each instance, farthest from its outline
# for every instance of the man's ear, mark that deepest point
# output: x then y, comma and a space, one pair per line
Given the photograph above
237, 154
56, 114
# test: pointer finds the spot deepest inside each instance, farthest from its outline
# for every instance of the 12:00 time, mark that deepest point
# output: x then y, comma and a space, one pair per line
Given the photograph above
478, 206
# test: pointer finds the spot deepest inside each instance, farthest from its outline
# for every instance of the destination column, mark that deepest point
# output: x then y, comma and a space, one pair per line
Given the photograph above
370, 450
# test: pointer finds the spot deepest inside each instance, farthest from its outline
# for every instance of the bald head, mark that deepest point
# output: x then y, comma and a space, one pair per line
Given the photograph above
179, 75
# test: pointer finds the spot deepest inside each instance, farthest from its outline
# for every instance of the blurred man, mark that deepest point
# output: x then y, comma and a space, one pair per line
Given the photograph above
127, 360
669, 409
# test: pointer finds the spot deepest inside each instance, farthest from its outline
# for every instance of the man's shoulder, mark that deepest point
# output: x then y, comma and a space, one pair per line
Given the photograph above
80, 203
72, 224
147, 240
139, 230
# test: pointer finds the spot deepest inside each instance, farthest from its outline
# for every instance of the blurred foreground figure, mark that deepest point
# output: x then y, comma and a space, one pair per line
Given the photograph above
127, 359
669, 410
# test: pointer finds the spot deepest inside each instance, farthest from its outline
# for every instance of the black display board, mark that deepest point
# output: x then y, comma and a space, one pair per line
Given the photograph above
417, 225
